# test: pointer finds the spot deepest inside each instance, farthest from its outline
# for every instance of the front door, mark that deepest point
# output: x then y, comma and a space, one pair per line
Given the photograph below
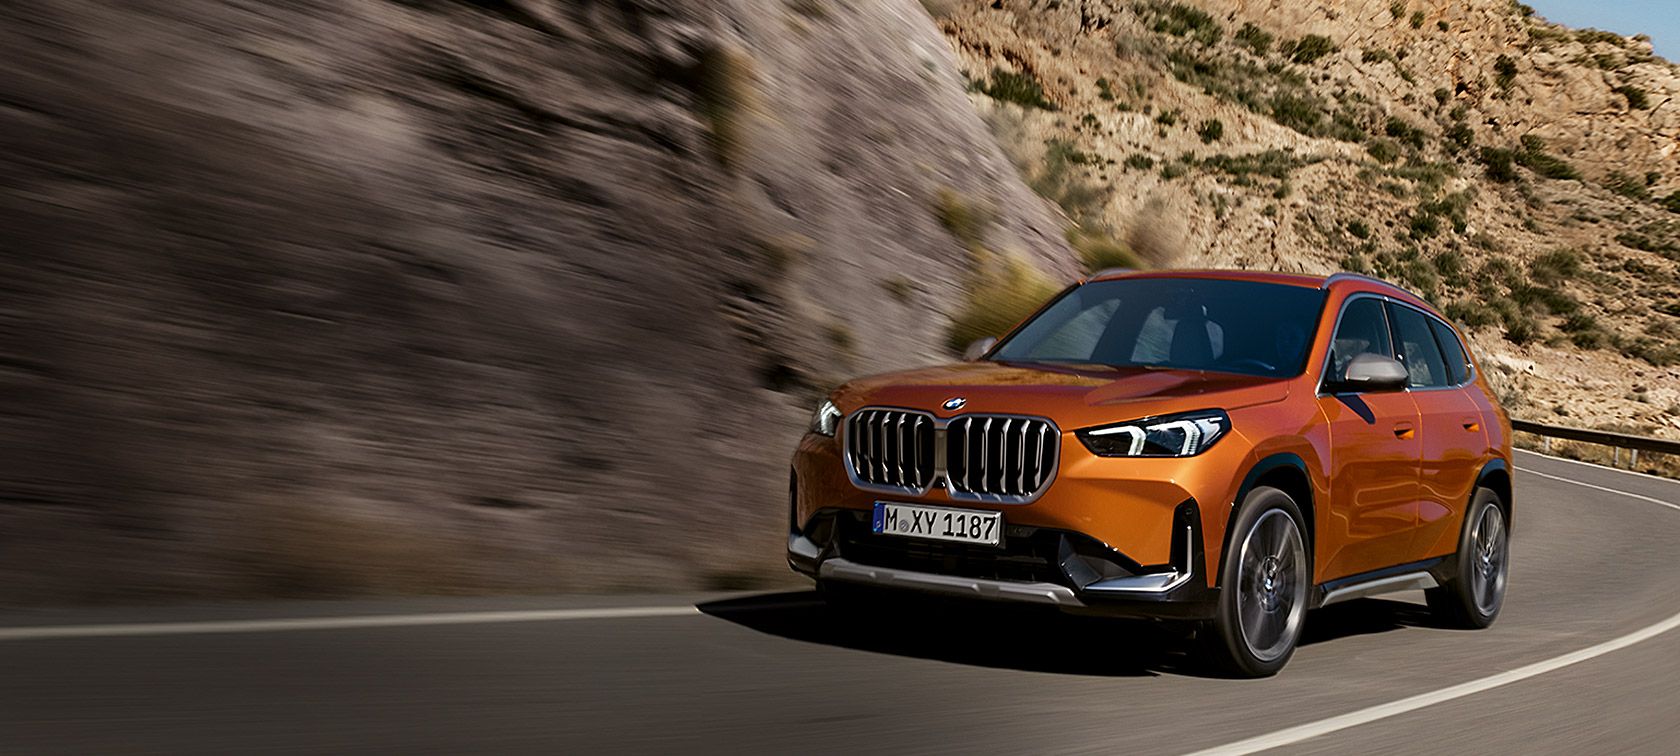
1376, 451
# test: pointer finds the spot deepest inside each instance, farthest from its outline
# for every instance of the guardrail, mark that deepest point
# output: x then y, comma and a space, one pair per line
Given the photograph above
1616, 441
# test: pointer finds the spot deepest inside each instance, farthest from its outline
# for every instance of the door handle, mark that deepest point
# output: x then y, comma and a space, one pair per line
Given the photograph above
1403, 430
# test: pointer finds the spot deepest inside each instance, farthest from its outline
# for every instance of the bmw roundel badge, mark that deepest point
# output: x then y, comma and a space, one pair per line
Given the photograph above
954, 403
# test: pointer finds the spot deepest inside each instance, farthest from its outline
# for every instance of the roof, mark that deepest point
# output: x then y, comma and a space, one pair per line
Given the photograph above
1354, 281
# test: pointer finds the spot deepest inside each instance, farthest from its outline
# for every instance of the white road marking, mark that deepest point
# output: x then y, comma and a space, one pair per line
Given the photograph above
1641, 497
1298, 733
1646, 476
338, 623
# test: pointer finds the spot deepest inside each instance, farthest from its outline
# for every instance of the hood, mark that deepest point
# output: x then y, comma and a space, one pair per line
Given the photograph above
1072, 396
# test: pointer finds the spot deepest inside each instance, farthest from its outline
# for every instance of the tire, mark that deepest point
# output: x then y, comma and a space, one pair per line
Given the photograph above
1264, 583
1472, 598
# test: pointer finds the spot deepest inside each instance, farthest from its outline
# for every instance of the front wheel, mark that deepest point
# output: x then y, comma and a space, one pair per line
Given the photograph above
1473, 597
1265, 578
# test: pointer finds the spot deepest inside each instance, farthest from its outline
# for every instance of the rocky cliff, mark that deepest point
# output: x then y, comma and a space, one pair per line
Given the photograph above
419, 295
1521, 174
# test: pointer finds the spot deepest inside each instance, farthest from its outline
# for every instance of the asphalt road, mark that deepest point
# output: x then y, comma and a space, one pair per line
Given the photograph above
779, 673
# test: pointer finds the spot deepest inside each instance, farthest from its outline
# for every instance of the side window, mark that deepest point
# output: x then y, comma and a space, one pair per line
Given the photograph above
1452, 350
1363, 330
1424, 365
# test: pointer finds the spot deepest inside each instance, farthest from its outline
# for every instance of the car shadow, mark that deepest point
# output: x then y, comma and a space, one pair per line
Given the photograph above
1027, 639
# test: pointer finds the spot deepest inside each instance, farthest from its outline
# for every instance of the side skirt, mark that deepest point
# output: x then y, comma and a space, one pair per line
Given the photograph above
1428, 573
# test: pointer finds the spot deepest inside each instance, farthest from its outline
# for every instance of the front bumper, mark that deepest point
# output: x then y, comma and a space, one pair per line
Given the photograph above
1042, 566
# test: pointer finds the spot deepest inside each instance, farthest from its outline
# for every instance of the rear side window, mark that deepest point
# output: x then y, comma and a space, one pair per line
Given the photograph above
1362, 330
1424, 365
1452, 350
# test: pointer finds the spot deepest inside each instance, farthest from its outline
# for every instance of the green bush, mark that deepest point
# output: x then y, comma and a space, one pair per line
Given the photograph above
1627, 186
1534, 157
1556, 266
1398, 128
1504, 71
1105, 90
1018, 88
1383, 150
1303, 113
1637, 99
1257, 40
1182, 20
1417, 19
1140, 161
1276, 164
1359, 229
1459, 137
1472, 314
1211, 130
1500, 164
1397, 9
1308, 49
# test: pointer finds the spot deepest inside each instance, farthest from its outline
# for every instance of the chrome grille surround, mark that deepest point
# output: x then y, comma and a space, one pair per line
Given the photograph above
1000, 459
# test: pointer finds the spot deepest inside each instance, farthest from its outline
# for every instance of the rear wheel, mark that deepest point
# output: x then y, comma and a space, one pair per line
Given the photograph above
1263, 598
1473, 597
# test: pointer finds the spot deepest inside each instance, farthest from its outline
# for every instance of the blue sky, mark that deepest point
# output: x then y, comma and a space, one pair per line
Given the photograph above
1659, 19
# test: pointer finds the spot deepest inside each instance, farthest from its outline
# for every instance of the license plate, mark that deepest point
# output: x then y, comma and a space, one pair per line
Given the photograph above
938, 523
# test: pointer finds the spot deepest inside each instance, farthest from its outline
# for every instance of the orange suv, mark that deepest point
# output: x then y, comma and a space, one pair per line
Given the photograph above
1227, 448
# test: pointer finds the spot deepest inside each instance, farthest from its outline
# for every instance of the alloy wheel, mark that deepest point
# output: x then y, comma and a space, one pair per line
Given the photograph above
1271, 586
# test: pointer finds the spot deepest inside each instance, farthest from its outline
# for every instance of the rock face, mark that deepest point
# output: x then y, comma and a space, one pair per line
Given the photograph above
1512, 170
362, 296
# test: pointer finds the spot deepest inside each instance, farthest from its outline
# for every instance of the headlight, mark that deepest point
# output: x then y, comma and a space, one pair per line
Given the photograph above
1184, 435
825, 419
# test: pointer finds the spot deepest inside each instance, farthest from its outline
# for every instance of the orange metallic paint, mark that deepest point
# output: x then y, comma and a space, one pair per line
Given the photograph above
1383, 494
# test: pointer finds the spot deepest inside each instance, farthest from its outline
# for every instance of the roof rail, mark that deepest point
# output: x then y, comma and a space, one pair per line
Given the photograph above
1346, 276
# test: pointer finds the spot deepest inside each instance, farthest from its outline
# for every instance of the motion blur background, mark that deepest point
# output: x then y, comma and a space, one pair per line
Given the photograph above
427, 296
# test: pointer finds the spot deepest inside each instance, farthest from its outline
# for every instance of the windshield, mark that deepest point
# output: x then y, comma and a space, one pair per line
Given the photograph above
1179, 323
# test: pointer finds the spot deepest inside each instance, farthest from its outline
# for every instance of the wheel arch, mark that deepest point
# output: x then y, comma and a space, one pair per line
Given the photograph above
1496, 476
1285, 471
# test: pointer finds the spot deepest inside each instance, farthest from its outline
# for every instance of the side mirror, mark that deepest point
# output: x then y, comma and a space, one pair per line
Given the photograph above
979, 349
1372, 372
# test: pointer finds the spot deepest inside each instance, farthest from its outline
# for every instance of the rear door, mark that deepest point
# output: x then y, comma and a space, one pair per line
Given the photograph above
1451, 427
1375, 452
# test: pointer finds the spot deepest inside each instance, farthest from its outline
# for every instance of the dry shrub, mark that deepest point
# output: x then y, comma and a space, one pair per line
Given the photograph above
1100, 251
1156, 236
728, 99
1004, 290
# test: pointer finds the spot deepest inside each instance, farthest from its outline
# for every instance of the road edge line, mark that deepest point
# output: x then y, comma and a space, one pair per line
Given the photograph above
289, 624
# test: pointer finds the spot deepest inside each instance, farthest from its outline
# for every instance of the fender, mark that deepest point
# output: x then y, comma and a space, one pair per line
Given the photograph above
1497, 467
1255, 473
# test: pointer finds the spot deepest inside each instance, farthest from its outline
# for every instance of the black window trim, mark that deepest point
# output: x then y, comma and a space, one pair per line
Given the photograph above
1470, 366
